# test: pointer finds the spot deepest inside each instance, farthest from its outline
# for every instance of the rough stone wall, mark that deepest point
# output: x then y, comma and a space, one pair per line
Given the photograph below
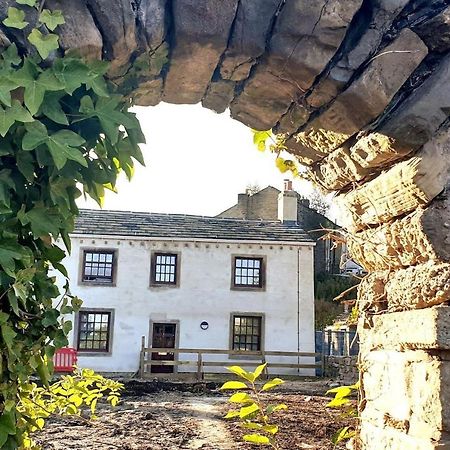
344, 369
361, 91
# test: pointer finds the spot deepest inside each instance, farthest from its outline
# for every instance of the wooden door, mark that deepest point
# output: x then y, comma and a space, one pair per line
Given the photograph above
163, 337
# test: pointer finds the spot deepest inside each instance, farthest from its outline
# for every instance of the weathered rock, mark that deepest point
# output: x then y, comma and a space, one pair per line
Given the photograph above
249, 36
79, 32
402, 189
436, 32
427, 329
201, 31
305, 37
263, 101
219, 95
384, 13
403, 398
152, 20
117, 25
149, 92
417, 238
296, 116
420, 116
365, 99
416, 287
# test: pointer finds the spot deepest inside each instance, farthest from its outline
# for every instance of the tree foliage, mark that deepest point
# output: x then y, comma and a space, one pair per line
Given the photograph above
64, 132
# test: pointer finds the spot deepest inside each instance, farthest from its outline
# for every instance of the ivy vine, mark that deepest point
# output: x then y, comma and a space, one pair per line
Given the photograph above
64, 132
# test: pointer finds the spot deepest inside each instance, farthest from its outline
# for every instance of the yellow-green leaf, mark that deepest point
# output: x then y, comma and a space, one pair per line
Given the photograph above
257, 439
232, 414
15, 18
338, 402
239, 371
45, 44
26, 2
272, 429
272, 383
52, 19
234, 385
259, 370
240, 397
246, 411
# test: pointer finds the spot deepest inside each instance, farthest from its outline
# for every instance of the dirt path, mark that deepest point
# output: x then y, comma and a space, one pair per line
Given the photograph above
212, 432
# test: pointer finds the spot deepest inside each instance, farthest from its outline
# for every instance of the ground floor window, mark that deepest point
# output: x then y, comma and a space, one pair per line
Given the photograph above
94, 331
247, 333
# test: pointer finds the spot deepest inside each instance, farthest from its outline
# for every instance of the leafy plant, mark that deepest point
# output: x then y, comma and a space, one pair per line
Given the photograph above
65, 131
68, 396
252, 411
342, 400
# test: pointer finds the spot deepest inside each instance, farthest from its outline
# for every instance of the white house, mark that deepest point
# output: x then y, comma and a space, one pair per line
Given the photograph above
189, 282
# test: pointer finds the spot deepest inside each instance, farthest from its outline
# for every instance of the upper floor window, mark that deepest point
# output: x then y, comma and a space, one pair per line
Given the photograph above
248, 272
164, 269
98, 266
94, 331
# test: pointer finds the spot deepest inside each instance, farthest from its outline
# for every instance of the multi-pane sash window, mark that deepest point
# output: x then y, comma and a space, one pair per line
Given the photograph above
98, 266
164, 268
247, 333
94, 330
248, 272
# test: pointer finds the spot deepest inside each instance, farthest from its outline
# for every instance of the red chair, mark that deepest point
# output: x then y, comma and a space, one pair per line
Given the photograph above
65, 359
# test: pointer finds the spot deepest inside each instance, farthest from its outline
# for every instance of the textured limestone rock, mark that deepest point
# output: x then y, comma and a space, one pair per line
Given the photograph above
402, 189
417, 238
403, 397
152, 20
427, 329
149, 93
305, 37
201, 31
117, 24
384, 12
358, 105
436, 32
219, 95
79, 32
249, 37
415, 287
296, 116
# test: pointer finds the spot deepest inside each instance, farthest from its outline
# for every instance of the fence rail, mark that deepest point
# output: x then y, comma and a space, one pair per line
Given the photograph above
257, 358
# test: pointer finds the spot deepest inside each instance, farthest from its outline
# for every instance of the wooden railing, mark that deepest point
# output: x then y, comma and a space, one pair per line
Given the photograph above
255, 359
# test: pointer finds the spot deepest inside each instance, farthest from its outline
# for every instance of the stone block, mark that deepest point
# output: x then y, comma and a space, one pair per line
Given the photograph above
427, 329
406, 392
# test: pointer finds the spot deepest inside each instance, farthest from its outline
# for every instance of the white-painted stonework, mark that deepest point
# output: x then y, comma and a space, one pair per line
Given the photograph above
203, 293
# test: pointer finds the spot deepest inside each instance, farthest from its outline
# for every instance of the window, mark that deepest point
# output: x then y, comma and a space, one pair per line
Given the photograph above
247, 332
98, 266
248, 272
164, 269
94, 331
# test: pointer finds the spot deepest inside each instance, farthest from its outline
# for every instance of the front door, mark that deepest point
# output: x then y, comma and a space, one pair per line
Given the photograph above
163, 337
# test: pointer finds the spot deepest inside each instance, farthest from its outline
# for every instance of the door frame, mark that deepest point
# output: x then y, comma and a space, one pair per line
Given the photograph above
177, 337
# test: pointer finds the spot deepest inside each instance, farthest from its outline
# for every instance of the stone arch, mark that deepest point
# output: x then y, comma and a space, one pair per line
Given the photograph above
361, 89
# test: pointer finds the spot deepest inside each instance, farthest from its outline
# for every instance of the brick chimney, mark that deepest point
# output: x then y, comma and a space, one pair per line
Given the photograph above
287, 204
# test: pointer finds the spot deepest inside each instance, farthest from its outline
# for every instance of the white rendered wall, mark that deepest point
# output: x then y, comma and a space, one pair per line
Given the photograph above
203, 294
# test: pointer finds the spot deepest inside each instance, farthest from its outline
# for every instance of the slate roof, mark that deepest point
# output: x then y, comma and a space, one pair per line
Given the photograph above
178, 226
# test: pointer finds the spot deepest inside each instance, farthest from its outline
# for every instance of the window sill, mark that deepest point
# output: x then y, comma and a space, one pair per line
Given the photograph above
248, 288
97, 283
83, 353
168, 286
242, 356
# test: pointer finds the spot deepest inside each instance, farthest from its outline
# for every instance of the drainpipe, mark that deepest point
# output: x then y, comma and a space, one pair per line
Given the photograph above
298, 309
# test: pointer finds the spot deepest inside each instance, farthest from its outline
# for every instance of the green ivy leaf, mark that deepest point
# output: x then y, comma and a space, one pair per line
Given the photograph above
62, 144
11, 56
71, 72
10, 251
26, 2
52, 19
15, 18
8, 116
45, 44
51, 107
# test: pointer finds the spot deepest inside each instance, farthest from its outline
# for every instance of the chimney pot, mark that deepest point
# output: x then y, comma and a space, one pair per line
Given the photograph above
287, 185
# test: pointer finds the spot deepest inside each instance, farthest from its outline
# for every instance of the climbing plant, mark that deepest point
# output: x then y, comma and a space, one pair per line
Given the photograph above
64, 132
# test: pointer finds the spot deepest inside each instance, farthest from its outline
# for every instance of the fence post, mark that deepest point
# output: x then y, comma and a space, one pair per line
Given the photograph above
142, 359
322, 356
199, 367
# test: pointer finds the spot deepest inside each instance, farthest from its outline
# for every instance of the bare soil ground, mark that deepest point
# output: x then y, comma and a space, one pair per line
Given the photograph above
172, 420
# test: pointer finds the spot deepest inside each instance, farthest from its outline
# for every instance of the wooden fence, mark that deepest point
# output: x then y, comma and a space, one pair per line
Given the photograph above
201, 364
